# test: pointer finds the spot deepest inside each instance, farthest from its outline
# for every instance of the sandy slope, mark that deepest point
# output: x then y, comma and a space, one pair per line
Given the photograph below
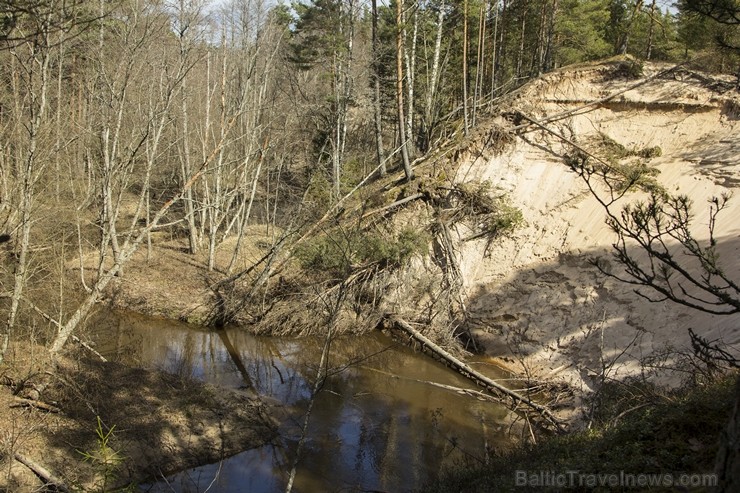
534, 298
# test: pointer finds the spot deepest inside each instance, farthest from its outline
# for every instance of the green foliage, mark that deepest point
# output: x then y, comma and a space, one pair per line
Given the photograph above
613, 151
581, 31
639, 430
650, 152
700, 34
319, 193
106, 461
492, 214
397, 250
626, 173
315, 37
339, 251
631, 69
325, 253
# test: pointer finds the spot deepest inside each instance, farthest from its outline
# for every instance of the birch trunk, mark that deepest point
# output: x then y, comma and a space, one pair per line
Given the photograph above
399, 92
431, 95
377, 114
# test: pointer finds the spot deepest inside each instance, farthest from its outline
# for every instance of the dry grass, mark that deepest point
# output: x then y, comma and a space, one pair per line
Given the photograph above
161, 423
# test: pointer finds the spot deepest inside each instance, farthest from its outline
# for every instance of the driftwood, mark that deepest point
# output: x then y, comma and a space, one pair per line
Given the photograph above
50, 479
476, 376
21, 402
475, 394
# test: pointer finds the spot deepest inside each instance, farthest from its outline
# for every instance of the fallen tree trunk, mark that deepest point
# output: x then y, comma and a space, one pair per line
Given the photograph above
43, 473
21, 402
476, 376
475, 394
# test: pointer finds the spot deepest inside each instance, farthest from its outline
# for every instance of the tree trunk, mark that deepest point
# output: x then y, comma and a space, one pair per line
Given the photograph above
411, 80
29, 171
399, 92
380, 152
651, 32
185, 170
465, 67
431, 96
474, 375
520, 56
550, 48
478, 89
494, 52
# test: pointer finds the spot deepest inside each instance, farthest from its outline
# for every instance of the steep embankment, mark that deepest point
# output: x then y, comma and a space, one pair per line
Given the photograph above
533, 298
530, 298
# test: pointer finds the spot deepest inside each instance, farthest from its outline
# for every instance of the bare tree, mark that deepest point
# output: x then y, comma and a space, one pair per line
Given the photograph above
403, 144
429, 117
655, 245
377, 114
32, 59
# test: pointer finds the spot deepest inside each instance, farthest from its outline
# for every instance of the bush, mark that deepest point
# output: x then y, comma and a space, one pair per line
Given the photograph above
637, 431
339, 252
621, 172
326, 253
492, 214
396, 251
650, 152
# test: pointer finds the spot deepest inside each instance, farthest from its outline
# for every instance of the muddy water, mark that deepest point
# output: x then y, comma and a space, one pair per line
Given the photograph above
376, 425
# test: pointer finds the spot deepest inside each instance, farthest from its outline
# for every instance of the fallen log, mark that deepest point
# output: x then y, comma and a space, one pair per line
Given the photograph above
43, 473
21, 402
475, 394
474, 375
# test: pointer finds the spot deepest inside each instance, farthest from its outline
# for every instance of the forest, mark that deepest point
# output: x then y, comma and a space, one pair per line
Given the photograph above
126, 121
205, 117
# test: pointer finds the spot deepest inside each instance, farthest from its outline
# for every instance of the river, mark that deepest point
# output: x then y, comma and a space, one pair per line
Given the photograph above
377, 424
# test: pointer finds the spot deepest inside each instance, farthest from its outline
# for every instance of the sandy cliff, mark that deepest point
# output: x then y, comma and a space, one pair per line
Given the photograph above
533, 297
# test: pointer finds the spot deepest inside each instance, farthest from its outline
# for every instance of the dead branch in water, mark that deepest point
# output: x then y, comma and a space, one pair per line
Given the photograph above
474, 375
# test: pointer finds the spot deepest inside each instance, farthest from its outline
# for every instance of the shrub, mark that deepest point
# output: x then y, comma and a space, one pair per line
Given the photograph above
638, 431
329, 253
394, 251
492, 214
338, 252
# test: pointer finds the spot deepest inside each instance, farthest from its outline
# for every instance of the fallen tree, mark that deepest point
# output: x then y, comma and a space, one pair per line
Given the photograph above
465, 370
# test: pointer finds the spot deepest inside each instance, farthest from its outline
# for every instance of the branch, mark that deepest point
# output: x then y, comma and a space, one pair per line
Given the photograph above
474, 375
42, 472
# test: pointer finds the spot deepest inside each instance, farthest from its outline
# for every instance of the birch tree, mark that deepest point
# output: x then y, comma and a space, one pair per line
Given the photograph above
403, 144
26, 161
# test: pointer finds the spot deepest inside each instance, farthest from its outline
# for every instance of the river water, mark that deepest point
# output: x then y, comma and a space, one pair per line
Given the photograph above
377, 424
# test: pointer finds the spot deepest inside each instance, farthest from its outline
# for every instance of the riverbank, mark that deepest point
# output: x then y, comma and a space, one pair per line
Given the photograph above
531, 299
110, 424
677, 449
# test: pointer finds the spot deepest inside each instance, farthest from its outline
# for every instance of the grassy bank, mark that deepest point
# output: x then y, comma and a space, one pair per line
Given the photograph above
635, 430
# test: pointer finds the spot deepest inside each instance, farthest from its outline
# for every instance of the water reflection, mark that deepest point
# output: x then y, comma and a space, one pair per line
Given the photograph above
375, 424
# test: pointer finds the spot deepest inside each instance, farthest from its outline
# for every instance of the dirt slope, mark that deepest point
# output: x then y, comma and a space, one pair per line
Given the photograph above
534, 299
